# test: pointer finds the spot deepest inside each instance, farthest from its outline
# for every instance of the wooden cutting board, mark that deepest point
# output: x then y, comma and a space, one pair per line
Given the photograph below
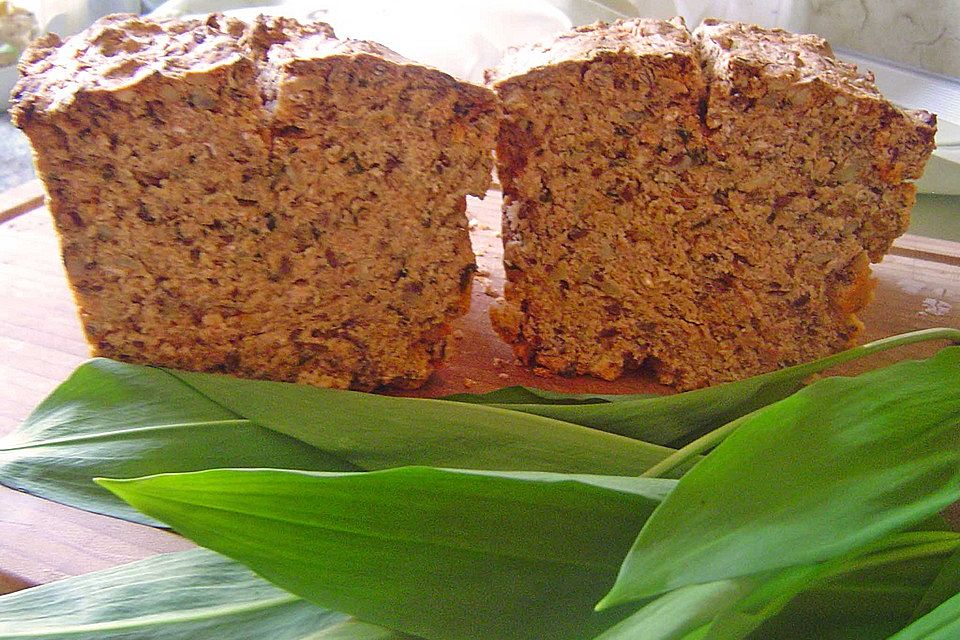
41, 343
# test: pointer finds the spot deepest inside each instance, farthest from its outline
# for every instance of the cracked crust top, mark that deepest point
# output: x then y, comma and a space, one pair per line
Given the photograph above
268, 33
637, 37
781, 54
750, 61
287, 49
118, 52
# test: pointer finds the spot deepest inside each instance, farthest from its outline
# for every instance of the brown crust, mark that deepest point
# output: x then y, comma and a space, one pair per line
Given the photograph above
116, 53
584, 43
753, 63
266, 33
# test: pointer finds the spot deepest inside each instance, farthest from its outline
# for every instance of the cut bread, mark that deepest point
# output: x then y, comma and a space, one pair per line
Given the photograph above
263, 200
705, 205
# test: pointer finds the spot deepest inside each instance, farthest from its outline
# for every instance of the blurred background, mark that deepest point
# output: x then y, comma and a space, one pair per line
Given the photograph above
912, 47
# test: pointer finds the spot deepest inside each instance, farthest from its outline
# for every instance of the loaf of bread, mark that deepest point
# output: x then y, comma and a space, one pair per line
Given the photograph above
264, 200
704, 205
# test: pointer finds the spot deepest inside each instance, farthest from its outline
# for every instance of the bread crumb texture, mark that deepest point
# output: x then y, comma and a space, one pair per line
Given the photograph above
705, 205
264, 200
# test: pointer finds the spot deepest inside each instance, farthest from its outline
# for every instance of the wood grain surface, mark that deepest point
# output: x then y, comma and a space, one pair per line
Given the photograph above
41, 343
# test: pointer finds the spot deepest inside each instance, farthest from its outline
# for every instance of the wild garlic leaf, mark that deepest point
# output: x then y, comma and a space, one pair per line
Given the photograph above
836, 466
195, 595
864, 598
680, 612
377, 432
943, 623
116, 419
675, 420
123, 420
521, 395
942, 587
899, 565
444, 554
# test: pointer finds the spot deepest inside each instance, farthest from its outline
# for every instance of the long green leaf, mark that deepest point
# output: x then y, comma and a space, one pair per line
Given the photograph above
680, 612
520, 395
864, 597
116, 419
675, 420
883, 606
867, 598
377, 432
444, 554
195, 595
943, 623
123, 420
942, 587
898, 567
836, 466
